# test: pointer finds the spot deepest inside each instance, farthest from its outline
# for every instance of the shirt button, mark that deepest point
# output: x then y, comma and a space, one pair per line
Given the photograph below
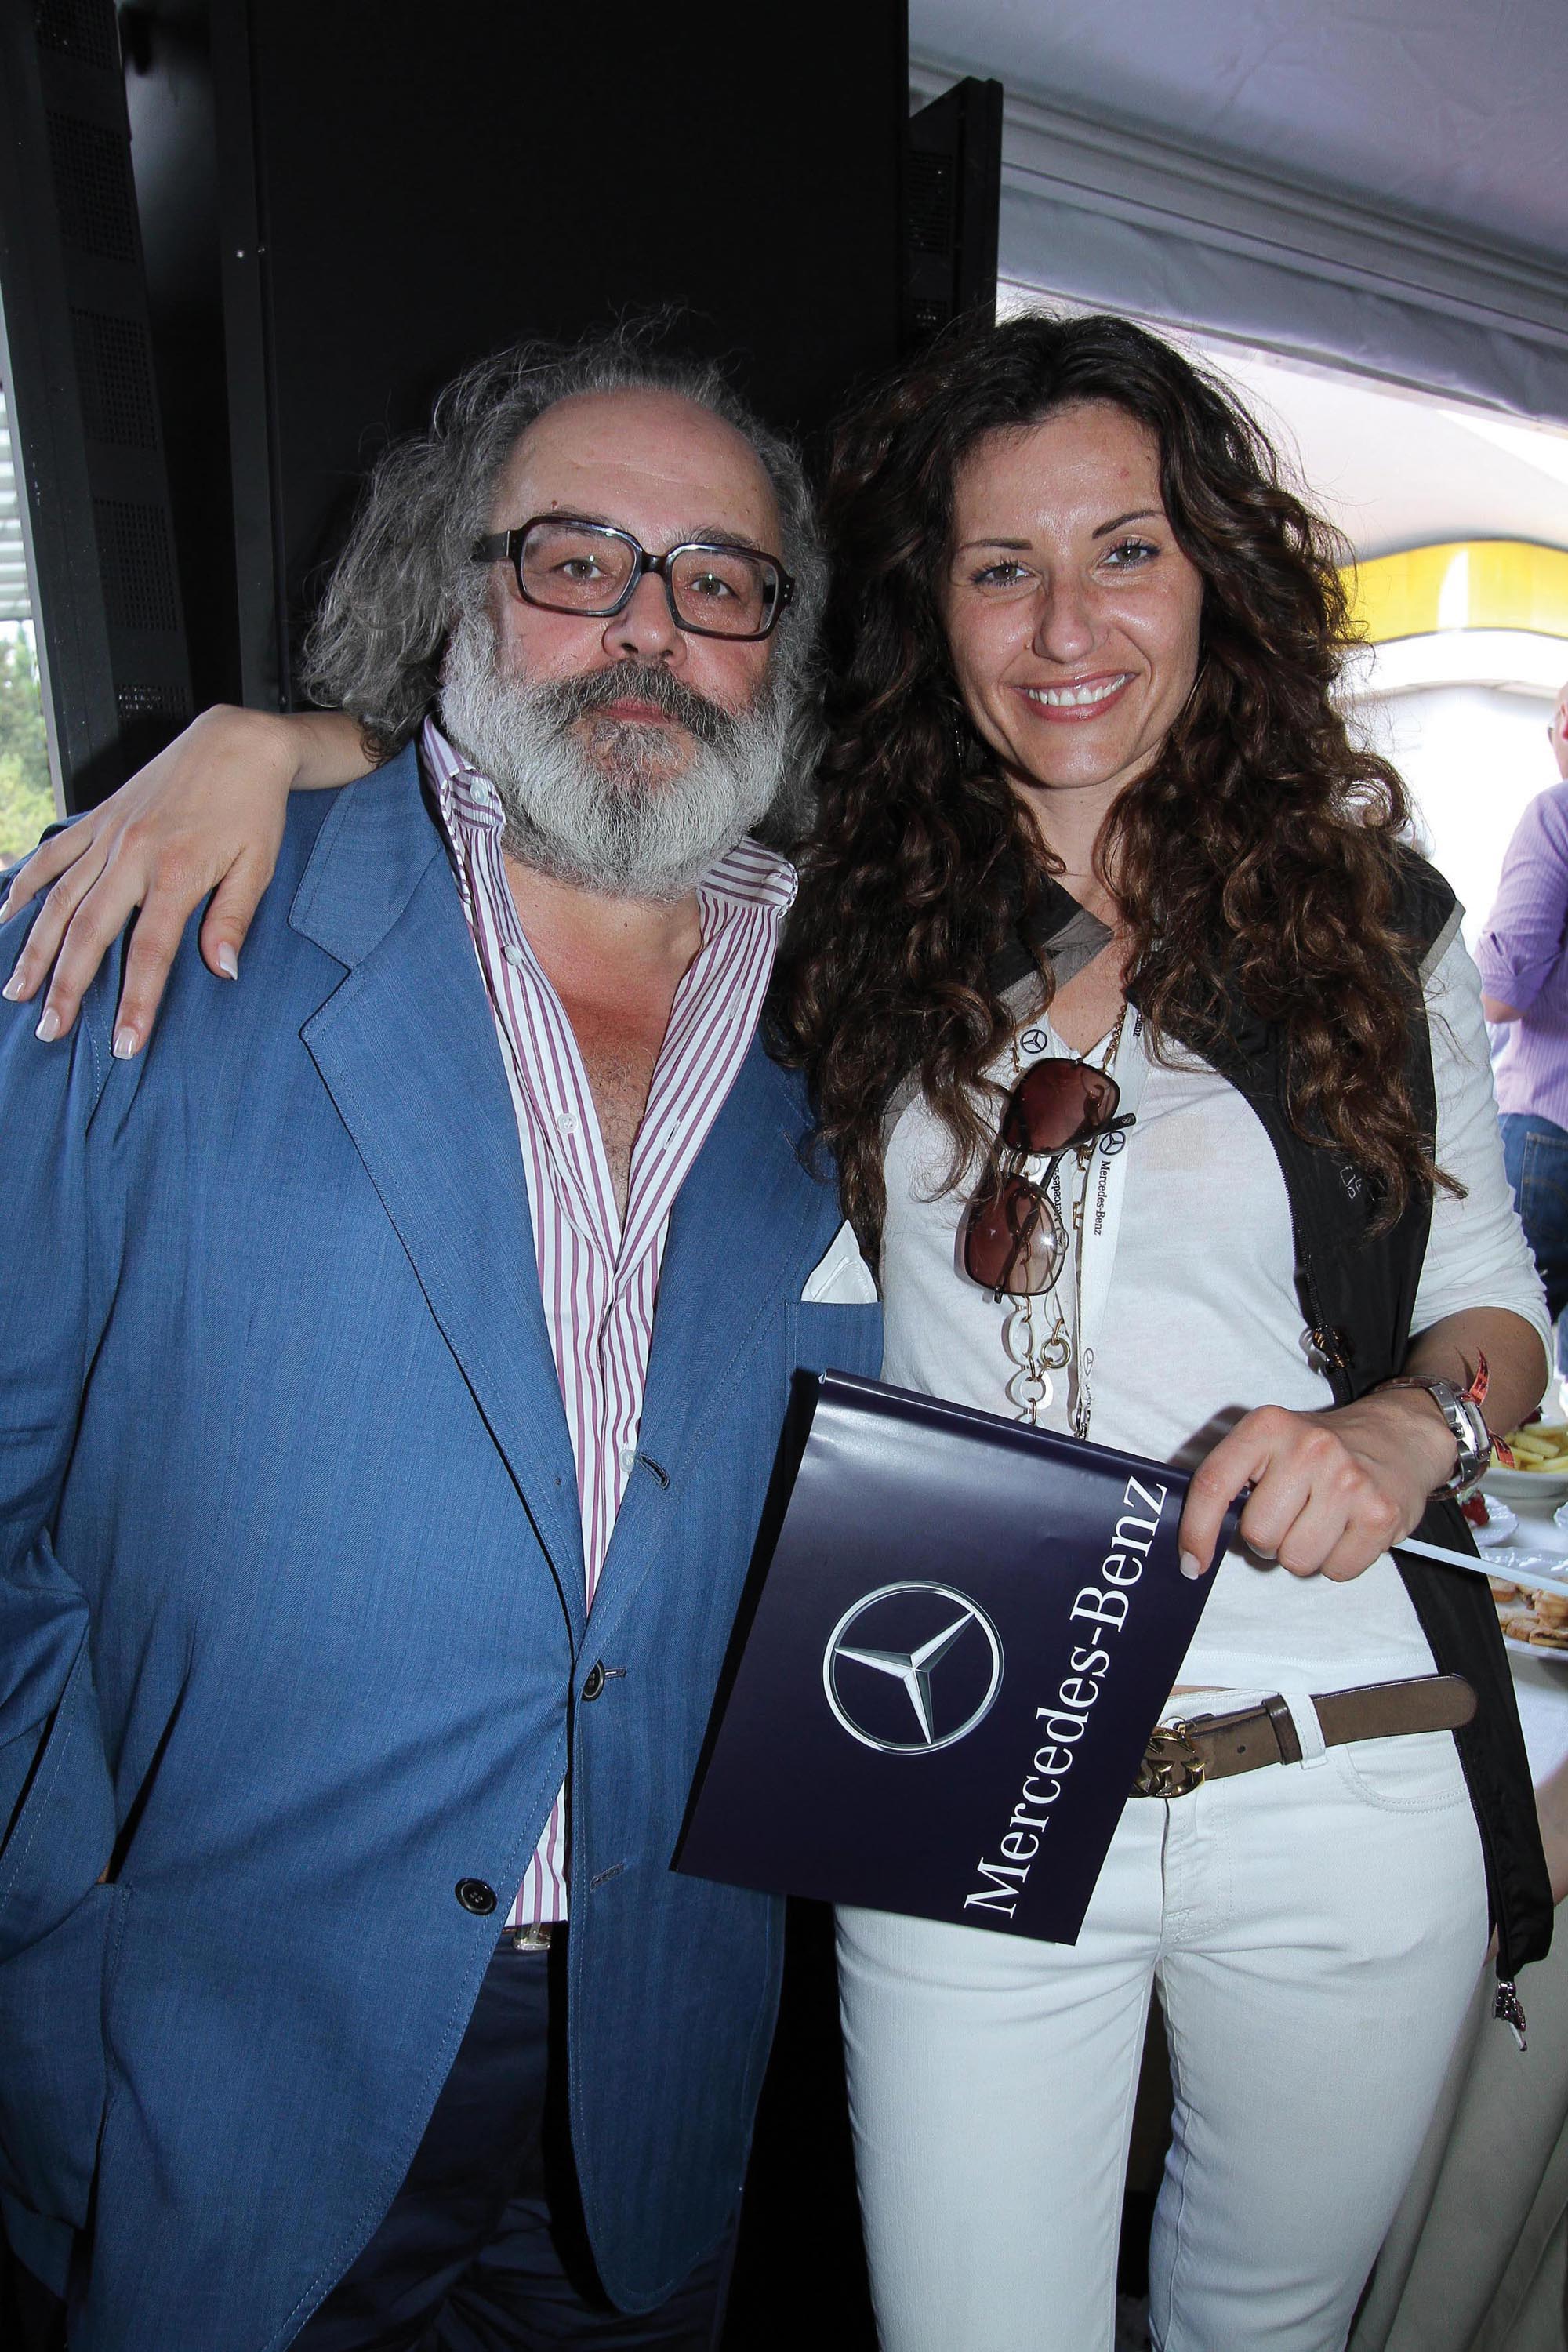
485, 794
566, 1121
593, 1681
476, 1896
513, 955
628, 1459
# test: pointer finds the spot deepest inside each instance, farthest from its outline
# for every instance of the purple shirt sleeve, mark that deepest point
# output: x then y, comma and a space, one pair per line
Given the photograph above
1523, 939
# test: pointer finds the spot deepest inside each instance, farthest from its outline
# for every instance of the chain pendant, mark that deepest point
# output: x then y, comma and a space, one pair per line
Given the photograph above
1030, 1392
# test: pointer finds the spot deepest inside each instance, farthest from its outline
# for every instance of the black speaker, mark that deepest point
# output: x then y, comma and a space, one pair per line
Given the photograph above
953, 200
85, 422
397, 191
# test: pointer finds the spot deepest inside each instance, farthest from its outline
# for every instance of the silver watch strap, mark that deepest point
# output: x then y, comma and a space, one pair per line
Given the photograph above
1472, 1438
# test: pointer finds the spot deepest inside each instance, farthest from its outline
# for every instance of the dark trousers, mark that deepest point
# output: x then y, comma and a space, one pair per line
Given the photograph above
483, 2248
1535, 1155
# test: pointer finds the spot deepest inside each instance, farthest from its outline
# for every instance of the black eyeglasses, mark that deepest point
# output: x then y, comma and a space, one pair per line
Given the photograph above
567, 565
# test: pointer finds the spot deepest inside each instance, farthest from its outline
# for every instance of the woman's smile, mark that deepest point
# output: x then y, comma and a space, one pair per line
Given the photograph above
1076, 699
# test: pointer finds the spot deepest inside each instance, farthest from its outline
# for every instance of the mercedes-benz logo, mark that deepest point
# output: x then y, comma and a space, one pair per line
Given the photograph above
881, 1690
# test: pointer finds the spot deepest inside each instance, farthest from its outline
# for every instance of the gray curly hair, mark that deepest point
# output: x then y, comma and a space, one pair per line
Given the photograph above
380, 634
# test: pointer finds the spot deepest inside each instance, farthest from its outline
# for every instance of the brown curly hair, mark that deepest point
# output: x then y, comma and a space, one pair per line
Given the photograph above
1260, 855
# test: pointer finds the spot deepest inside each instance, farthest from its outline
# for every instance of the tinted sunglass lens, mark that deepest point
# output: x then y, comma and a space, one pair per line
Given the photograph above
1055, 1104
1012, 1241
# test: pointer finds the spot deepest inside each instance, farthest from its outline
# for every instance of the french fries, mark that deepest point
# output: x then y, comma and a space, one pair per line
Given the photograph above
1540, 1445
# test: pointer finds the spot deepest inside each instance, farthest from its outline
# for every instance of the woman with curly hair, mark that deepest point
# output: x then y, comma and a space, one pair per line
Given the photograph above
1157, 1081
1088, 801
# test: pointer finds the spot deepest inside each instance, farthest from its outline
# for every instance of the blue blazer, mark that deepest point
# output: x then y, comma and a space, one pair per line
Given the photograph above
292, 1636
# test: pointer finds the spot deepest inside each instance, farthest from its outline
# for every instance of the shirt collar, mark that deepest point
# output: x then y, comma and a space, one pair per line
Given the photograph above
751, 875
1055, 923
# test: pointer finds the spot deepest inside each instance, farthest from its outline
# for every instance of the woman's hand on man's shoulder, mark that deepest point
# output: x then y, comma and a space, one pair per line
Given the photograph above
206, 816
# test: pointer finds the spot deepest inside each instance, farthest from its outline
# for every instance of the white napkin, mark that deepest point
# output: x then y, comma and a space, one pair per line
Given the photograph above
843, 1279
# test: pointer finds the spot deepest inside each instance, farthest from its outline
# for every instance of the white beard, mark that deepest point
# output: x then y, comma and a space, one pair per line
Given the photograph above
590, 802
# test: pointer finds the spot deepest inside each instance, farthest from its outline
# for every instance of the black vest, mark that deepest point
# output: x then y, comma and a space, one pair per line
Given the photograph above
1358, 1293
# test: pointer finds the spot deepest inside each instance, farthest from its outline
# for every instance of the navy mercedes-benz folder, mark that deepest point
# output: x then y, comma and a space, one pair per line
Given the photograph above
966, 1634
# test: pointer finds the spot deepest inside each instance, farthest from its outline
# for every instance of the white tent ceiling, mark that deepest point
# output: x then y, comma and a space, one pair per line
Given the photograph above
1382, 182
1454, 108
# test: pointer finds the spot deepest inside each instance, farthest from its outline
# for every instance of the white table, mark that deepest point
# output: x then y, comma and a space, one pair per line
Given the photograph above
1541, 1678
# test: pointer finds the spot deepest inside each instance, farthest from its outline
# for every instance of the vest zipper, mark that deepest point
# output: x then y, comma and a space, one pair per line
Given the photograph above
1508, 2010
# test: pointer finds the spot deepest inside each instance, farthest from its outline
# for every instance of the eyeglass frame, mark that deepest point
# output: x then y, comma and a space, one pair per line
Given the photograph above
506, 547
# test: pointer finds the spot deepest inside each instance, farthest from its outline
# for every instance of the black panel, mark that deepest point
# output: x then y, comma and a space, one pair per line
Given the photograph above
422, 196
115, 378
953, 209
77, 28
93, 194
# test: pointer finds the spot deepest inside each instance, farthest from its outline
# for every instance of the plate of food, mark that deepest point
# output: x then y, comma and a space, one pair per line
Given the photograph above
1537, 1646
1540, 1475
1490, 1522
1519, 1564
1533, 1618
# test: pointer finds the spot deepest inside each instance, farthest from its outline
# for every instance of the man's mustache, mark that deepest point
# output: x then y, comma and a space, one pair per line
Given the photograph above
569, 699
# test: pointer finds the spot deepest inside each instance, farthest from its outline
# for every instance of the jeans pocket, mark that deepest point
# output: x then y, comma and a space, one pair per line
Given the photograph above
1418, 1772
1543, 1178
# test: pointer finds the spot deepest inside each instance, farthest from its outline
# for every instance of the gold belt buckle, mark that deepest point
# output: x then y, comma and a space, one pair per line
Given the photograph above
1172, 1766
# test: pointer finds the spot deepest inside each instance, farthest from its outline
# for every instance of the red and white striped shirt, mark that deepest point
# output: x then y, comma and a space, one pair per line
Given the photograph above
599, 1277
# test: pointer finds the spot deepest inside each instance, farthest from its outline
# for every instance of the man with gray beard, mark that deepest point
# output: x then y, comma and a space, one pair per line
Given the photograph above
468, 1252
639, 838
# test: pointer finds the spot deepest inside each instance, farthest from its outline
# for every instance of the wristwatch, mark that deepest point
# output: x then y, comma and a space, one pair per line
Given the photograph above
1469, 1422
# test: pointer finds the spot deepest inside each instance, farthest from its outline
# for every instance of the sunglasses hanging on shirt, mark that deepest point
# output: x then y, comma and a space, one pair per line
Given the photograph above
1015, 1241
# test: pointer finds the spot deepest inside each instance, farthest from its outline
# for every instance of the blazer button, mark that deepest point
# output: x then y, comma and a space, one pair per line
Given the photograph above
476, 1896
593, 1681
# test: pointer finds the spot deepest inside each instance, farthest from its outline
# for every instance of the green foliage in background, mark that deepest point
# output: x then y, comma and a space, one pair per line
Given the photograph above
27, 796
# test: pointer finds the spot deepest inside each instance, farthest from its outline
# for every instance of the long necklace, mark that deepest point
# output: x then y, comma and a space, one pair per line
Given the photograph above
1036, 1356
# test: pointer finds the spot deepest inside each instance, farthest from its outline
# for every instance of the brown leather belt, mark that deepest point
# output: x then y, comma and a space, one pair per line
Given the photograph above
1180, 1756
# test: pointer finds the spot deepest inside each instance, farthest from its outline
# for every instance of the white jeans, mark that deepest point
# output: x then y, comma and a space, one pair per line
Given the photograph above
1315, 1930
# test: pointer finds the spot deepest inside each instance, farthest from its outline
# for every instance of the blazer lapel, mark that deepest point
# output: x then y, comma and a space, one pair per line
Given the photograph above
745, 1227
407, 1049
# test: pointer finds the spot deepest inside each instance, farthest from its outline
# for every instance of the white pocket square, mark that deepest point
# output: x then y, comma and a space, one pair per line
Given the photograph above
843, 1279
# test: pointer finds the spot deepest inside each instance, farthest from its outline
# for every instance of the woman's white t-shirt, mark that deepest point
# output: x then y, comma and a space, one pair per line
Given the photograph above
1202, 1322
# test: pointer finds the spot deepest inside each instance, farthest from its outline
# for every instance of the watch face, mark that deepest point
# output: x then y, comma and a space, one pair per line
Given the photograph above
1475, 1441
1472, 1438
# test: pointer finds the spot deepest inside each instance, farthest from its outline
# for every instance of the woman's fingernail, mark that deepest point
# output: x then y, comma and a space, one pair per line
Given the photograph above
1191, 1564
227, 963
48, 1028
125, 1044
13, 988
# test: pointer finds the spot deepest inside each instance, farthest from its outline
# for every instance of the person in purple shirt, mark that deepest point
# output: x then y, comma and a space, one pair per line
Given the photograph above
1523, 960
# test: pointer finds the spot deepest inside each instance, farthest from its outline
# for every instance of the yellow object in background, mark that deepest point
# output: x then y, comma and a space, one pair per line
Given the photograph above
1477, 583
